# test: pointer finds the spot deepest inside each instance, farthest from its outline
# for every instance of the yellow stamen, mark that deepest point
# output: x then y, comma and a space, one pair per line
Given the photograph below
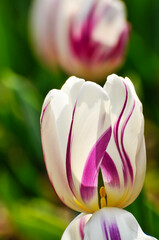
103, 202
103, 195
102, 192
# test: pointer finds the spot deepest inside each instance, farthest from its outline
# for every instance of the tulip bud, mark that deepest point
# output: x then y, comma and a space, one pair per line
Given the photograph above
93, 143
86, 38
105, 224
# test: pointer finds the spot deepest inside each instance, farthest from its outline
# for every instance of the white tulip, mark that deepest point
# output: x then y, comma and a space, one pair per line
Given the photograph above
87, 130
86, 38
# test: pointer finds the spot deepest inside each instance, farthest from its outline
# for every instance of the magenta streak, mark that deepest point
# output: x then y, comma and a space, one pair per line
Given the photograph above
105, 229
116, 137
114, 231
81, 226
122, 144
90, 51
109, 171
43, 112
82, 45
68, 156
92, 166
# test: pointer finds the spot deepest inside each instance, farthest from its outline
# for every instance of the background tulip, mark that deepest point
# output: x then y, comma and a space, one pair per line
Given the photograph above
86, 38
87, 129
107, 223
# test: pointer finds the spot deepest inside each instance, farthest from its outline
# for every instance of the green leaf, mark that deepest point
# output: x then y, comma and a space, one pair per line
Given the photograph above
38, 220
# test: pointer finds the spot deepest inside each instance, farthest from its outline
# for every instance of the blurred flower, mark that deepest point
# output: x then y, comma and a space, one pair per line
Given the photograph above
86, 38
107, 223
93, 143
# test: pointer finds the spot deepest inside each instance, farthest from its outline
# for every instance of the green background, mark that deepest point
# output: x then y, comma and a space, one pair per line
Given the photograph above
29, 208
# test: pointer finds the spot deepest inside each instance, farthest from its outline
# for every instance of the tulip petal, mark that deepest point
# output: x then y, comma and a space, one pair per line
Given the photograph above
88, 42
126, 141
109, 171
105, 224
89, 134
72, 88
54, 136
113, 224
92, 166
42, 31
75, 230
112, 17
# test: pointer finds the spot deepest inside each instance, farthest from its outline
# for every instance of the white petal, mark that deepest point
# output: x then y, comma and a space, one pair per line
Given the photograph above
75, 230
112, 18
42, 13
127, 143
105, 224
72, 88
90, 122
113, 223
55, 125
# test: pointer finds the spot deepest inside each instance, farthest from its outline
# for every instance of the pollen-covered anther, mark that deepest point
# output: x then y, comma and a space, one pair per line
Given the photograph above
103, 197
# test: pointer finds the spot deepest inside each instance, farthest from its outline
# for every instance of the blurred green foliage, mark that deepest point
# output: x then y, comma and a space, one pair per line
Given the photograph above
28, 205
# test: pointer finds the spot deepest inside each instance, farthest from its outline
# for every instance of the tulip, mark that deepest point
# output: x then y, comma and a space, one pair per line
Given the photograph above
105, 224
93, 143
86, 38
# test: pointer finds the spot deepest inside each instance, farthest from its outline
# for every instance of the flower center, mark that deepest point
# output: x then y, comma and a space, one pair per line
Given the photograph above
103, 197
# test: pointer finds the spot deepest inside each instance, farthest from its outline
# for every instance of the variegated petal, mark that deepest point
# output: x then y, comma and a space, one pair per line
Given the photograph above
126, 147
75, 230
55, 125
89, 136
113, 224
105, 224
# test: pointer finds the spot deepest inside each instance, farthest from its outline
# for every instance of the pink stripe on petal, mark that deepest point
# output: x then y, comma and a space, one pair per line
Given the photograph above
127, 167
116, 137
110, 230
93, 163
81, 227
114, 232
122, 144
68, 156
105, 230
83, 46
43, 112
109, 171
